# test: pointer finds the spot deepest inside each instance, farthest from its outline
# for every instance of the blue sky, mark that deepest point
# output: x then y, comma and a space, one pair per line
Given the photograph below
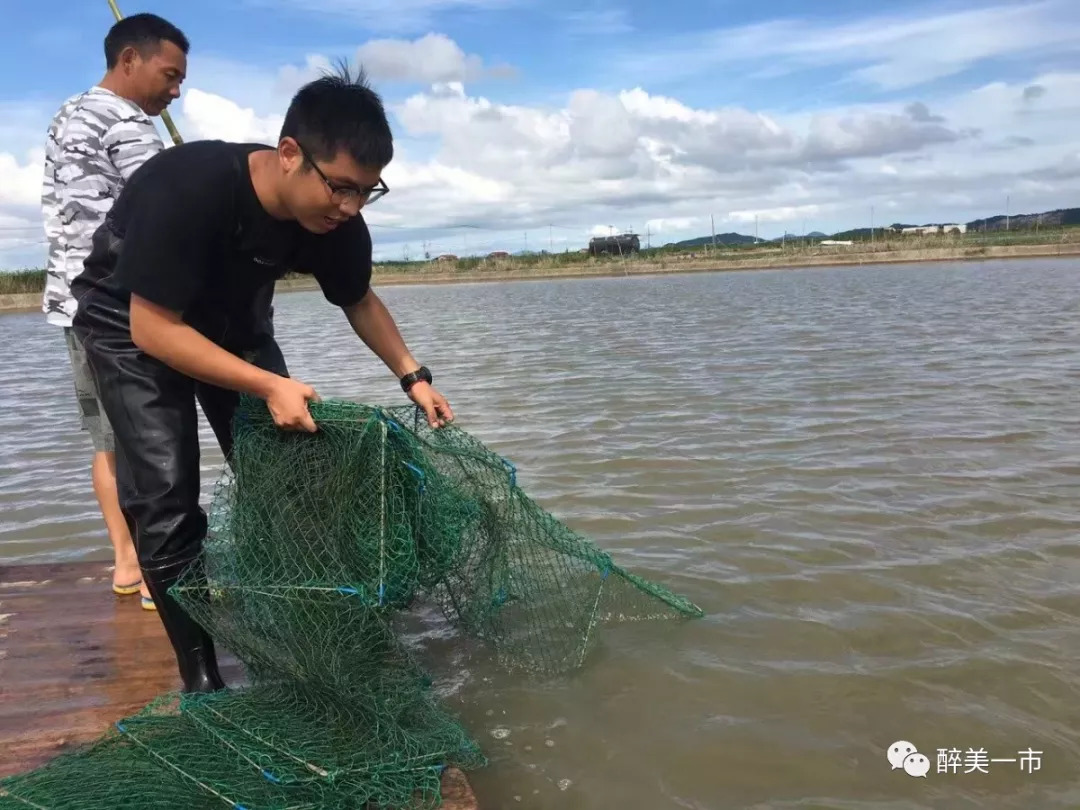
544, 122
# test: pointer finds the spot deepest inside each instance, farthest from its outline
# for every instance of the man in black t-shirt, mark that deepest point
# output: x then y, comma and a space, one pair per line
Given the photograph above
174, 307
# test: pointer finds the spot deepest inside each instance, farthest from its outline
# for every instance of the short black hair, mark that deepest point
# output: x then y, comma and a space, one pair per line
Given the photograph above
144, 32
340, 111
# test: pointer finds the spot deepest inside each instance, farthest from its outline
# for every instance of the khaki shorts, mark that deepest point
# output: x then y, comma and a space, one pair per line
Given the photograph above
92, 415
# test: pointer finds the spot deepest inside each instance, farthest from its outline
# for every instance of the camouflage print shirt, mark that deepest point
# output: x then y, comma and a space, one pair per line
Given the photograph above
95, 143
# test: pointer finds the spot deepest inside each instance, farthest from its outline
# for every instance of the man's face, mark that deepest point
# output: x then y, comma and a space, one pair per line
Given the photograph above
156, 80
323, 197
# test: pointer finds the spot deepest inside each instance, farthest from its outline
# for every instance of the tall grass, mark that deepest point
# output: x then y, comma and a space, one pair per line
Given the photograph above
22, 281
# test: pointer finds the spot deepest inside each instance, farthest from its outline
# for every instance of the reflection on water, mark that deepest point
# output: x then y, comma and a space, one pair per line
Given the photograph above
867, 477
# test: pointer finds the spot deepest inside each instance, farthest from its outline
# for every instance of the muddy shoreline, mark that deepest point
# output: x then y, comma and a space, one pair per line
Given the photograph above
27, 302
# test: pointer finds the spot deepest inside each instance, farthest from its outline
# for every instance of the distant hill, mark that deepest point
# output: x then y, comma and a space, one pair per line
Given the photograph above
794, 237
721, 239
1047, 219
855, 234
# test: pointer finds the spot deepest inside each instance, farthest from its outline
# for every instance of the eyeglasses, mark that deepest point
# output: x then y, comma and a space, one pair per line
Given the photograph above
348, 194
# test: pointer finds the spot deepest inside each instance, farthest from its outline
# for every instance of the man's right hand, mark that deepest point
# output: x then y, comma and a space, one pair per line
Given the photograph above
288, 401
162, 333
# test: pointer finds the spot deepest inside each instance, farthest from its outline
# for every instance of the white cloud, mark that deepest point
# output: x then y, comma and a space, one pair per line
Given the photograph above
210, 116
677, 227
450, 186
634, 157
785, 213
431, 58
291, 78
634, 136
21, 231
21, 183
654, 163
474, 174
893, 50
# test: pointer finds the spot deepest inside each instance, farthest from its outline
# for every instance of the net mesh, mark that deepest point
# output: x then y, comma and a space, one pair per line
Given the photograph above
316, 543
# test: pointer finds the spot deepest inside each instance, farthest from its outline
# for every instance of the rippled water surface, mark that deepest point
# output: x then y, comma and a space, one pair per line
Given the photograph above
869, 478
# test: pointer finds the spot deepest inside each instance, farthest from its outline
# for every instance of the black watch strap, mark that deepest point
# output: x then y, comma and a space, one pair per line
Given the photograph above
413, 377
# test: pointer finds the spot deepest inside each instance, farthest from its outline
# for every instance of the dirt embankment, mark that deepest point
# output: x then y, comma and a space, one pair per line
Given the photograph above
25, 302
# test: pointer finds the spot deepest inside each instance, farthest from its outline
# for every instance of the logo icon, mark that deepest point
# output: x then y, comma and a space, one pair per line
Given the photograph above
898, 751
903, 755
916, 765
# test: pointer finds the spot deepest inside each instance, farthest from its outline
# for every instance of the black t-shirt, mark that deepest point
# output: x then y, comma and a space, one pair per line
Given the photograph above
189, 234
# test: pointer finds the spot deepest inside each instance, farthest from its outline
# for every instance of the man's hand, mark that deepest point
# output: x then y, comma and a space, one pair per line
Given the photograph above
163, 334
374, 325
434, 404
287, 401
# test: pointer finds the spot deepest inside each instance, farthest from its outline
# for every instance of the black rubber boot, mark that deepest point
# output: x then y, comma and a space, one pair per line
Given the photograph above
194, 648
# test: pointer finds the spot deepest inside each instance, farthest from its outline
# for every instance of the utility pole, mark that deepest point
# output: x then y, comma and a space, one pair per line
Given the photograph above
648, 236
551, 243
755, 230
871, 224
1006, 212
712, 221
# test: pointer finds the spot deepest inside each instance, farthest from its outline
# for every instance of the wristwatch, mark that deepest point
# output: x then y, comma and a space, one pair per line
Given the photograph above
413, 377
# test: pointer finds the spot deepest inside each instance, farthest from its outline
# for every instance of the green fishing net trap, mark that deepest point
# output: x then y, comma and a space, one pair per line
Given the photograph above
317, 543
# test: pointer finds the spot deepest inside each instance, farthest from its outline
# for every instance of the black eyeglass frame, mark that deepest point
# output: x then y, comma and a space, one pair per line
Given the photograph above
341, 194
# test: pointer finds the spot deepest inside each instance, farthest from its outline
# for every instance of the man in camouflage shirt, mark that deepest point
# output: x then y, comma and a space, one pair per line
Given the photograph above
95, 143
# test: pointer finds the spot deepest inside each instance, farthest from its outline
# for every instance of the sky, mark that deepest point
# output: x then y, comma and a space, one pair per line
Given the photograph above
535, 124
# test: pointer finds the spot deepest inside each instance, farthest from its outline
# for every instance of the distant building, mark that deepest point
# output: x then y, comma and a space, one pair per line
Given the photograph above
923, 230
837, 242
954, 228
621, 245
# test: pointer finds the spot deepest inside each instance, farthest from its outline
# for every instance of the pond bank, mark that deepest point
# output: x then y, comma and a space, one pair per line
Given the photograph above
26, 302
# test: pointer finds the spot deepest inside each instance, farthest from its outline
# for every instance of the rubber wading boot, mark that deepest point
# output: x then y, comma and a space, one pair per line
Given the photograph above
194, 648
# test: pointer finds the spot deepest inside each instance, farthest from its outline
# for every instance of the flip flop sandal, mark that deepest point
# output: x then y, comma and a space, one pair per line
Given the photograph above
148, 603
127, 590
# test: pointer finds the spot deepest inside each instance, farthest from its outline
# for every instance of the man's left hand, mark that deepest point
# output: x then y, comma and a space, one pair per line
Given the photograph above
434, 404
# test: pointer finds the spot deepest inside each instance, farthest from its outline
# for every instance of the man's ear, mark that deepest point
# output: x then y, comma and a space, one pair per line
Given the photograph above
129, 59
289, 154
